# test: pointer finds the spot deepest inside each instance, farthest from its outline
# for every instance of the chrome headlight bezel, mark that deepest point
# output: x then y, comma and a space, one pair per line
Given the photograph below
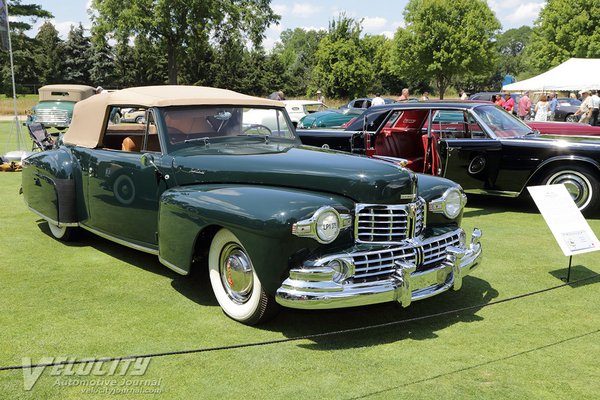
324, 226
450, 203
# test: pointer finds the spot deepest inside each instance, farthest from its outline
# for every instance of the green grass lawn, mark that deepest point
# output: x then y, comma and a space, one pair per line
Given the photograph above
94, 298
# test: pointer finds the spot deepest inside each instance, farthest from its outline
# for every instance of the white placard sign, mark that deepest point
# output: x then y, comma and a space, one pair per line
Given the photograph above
569, 227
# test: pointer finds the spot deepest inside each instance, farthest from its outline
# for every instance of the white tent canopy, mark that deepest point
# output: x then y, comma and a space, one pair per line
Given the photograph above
573, 74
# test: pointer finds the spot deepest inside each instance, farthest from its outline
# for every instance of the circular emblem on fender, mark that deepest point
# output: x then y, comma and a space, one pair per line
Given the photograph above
325, 146
124, 189
477, 165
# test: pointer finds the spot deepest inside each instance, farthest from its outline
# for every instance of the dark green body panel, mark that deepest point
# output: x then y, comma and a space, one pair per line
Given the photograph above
260, 216
359, 178
49, 184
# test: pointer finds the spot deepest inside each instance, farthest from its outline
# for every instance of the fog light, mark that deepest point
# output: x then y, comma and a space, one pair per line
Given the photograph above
342, 269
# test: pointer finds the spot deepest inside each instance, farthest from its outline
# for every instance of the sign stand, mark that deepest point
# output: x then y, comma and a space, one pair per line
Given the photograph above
568, 278
568, 226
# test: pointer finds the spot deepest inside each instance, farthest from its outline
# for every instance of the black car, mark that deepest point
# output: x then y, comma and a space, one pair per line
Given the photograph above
566, 108
484, 148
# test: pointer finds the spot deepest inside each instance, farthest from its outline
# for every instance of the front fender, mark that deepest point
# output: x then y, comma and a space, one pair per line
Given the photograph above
432, 187
260, 217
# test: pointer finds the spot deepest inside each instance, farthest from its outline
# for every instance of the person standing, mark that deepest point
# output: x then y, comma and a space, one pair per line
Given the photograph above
404, 95
595, 108
499, 101
320, 97
524, 107
585, 109
509, 102
377, 100
553, 103
542, 109
463, 95
425, 96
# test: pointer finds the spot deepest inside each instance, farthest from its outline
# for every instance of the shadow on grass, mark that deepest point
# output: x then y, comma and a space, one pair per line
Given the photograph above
388, 390
194, 286
486, 205
295, 323
577, 272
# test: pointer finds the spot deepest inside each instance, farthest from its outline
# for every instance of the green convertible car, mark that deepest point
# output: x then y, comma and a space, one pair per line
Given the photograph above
275, 222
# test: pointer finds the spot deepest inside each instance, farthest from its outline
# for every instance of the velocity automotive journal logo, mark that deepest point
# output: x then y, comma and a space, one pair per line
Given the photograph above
108, 377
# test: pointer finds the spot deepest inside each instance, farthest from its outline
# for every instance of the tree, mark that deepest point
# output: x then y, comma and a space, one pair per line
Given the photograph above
49, 54
77, 56
176, 24
564, 29
102, 61
341, 65
511, 46
444, 40
296, 51
23, 46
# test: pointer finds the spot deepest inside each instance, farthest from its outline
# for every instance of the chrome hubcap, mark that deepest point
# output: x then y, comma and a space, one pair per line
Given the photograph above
236, 273
576, 184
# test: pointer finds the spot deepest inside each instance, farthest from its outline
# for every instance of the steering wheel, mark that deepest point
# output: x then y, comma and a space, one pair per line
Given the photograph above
258, 127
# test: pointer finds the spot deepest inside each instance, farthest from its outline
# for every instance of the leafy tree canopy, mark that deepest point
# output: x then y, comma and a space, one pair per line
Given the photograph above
565, 29
177, 24
444, 40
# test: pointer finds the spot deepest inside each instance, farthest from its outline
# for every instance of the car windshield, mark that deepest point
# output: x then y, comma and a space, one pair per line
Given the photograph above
193, 125
501, 123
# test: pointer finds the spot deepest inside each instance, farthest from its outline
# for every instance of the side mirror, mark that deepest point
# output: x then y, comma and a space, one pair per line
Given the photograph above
147, 160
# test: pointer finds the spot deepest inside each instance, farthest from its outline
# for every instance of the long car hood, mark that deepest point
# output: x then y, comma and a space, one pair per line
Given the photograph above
359, 178
565, 128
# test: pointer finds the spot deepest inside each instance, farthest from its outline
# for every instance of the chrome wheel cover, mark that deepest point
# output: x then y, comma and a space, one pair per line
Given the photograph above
236, 273
577, 184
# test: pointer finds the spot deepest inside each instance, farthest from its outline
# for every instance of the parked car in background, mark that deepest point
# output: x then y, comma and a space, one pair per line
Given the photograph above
479, 145
330, 118
136, 114
339, 118
566, 108
297, 109
362, 103
273, 221
55, 108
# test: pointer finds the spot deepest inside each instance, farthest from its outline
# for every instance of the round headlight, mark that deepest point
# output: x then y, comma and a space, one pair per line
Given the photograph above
453, 204
328, 225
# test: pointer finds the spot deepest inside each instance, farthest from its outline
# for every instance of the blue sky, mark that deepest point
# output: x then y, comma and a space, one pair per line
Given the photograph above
380, 17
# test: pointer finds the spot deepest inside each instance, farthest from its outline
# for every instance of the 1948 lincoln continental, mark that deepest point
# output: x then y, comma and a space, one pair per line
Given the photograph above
275, 222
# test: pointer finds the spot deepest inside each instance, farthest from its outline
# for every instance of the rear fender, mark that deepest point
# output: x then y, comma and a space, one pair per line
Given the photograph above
260, 217
49, 183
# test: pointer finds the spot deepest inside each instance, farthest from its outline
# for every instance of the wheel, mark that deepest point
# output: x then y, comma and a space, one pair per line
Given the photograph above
257, 127
580, 183
571, 118
235, 283
63, 233
140, 120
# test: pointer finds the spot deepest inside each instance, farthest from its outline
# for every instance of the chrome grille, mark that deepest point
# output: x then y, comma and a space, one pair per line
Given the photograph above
386, 224
379, 264
435, 252
51, 116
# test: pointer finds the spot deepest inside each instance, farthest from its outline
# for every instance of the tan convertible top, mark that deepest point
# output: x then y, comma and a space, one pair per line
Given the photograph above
89, 115
65, 92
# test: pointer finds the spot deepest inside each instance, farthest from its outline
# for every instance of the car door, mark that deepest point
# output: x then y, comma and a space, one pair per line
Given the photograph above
471, 159
123, 186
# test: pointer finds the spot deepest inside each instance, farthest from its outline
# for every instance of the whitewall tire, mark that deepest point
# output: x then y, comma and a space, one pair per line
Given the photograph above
234, 281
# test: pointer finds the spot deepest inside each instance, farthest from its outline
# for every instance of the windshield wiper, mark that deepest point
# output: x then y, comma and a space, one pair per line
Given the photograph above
205, 139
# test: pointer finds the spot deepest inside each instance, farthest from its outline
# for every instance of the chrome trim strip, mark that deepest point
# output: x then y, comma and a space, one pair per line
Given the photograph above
120, 241
59, 224
172, 266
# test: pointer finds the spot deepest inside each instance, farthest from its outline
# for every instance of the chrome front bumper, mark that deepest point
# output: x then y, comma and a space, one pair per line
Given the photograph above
315, 288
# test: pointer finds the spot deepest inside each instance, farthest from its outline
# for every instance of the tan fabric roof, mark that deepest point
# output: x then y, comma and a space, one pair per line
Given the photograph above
75, 92
89, 115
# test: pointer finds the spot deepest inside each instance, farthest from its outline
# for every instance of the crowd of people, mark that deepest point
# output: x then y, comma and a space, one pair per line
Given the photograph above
543, 110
